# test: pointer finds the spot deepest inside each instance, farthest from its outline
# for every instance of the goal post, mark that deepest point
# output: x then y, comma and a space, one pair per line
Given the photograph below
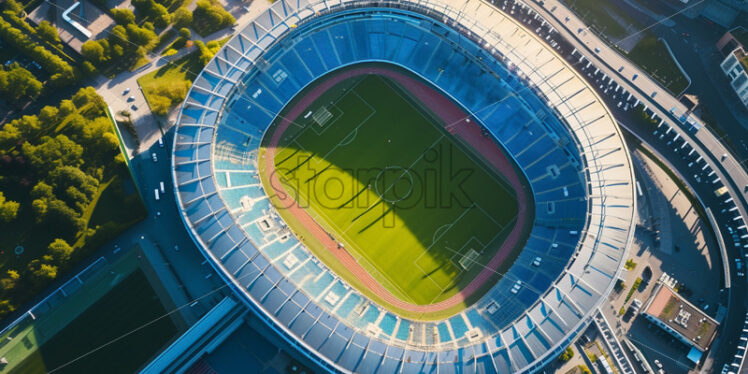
468, 259
321, 116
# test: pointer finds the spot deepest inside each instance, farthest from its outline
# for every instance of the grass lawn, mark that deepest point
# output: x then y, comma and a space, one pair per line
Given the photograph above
129, 304
652, 56
140, 63
126, 307
604, 16
113, 300
174, 73
384, 178
185, 68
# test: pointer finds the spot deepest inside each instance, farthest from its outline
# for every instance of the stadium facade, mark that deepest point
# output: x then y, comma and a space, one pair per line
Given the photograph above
526, 96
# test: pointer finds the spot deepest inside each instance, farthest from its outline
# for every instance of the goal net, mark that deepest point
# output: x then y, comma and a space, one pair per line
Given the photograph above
322, 116
468, 259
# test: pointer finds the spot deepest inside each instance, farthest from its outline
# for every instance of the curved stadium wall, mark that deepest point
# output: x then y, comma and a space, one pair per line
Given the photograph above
580, 164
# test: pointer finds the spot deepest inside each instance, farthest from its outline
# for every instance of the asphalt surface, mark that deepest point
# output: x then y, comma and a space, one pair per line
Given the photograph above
572, 39
689, 38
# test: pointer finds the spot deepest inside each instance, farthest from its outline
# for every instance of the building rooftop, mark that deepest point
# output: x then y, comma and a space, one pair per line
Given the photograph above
682, 316
92, 22
742, 57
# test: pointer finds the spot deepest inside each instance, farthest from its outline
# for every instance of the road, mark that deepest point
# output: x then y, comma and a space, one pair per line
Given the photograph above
695, 37
575, 42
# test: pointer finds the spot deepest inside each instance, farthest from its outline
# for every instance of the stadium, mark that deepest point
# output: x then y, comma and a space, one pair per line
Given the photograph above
310, 90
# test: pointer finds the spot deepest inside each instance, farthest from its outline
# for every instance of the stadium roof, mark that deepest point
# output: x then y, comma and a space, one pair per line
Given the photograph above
234, 99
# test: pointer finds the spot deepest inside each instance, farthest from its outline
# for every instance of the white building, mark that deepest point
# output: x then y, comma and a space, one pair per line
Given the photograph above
735, 67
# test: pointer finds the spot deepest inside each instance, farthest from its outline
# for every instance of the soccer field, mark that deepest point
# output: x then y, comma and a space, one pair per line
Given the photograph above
417, 209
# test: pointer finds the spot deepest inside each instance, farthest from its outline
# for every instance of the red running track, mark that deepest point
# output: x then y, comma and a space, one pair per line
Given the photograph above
458, 124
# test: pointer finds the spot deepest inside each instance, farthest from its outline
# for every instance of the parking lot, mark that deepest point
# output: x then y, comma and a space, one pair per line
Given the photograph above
670, 238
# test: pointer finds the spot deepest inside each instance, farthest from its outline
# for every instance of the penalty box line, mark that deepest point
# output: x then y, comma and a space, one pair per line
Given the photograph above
459, 253
357, 254
334, 104
434, 241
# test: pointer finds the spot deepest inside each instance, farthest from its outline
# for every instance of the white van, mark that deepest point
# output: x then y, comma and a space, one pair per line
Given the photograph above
155, 192
161, 186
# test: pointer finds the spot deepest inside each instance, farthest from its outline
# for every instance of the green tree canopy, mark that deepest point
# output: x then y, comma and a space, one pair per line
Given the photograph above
41, 272
123, 16
185, 33
182, 17
8, 209
94, 51
46, 31
18, 83
53, 153
9, 282
60, 250
209, 16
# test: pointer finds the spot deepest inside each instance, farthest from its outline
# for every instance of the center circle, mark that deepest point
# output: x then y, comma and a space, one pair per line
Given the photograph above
389, 183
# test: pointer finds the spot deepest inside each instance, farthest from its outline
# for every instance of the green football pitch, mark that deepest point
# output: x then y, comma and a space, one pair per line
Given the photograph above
419, 210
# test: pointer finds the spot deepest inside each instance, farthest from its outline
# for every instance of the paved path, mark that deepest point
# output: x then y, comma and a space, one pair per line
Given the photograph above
725, 165
457, 124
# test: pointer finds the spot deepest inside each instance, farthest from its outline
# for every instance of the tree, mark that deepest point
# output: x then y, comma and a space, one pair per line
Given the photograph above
9, 282
60, 251
39, 207
209, 16
10, 136
205, 53
46, 31
62, 178
141, 36
8, 209
41, 272
18, 83
162, 98
118, 36
48, 116
6, 307
182, 17
15, 7
87, 97
93, 51
63, 218
162, 18
53, 153
88, 68
123, 16
567, 354
185, 33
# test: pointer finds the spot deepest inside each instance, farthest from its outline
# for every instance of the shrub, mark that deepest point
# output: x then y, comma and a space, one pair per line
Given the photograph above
60, 251
47, 32
209, 17
182, 17
630, 264
123, 16
185, 33
18, 83
162, 98
567, 354
8, 209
